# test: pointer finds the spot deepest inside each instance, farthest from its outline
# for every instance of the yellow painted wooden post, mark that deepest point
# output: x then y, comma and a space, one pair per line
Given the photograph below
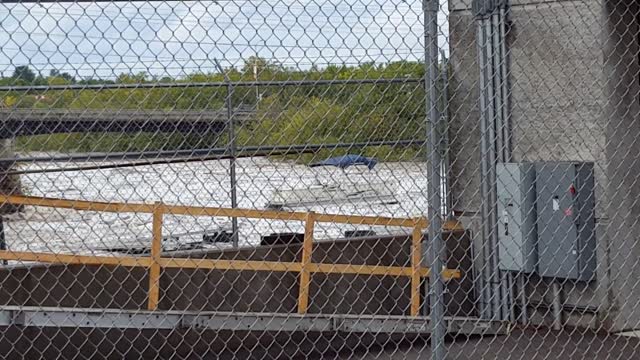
305, 274
156, 252
416, 263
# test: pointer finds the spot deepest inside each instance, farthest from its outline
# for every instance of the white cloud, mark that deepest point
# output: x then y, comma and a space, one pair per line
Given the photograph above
173, 38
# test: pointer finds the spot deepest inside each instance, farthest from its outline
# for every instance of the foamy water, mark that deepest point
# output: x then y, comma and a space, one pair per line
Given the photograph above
200, 184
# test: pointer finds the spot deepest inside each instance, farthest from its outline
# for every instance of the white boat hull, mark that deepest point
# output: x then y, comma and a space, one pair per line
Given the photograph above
329, 194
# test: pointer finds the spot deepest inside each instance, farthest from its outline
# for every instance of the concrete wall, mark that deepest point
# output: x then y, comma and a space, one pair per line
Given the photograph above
117, 287
245, 291
9, 184
557, 94
622, 72
574, 75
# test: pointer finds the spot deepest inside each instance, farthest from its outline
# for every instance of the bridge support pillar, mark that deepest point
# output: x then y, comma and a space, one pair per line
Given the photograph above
9, 184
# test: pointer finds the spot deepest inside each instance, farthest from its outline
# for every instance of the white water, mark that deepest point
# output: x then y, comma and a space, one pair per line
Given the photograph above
200, 184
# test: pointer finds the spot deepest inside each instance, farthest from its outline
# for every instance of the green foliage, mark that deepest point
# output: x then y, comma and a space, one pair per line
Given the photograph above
286, 115
113, 142
23, 74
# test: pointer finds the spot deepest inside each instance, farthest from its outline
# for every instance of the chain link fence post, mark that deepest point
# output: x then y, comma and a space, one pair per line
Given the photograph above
434, 174
231, 146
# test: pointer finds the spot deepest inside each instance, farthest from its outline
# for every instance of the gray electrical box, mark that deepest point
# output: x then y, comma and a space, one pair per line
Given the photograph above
566, 220
517, 216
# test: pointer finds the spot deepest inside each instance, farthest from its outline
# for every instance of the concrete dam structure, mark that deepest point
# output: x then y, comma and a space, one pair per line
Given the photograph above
406, 180
573, 96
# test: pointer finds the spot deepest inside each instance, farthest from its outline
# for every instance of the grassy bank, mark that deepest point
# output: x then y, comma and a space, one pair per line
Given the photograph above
294, 115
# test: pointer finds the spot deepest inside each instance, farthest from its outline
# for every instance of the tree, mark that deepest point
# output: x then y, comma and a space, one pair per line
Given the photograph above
24, 73
9, 101
286, 115
138, 78
70, 79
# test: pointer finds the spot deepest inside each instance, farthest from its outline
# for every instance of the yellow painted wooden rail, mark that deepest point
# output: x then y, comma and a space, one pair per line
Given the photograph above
155, 262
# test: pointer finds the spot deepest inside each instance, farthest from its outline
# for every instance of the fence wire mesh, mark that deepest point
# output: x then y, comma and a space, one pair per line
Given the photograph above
319, 179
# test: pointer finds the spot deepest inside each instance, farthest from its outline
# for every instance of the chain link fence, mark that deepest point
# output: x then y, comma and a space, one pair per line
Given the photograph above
319, 179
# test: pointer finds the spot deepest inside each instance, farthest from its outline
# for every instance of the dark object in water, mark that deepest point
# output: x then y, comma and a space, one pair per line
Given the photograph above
146, 250
358, 233
271, 206
131, 250
282, 239
345, 161
217, 237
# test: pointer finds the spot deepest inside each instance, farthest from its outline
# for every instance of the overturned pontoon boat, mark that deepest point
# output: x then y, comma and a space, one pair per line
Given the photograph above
353, 190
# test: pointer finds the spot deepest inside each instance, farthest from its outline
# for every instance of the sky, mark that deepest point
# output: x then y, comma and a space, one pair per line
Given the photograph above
103, 40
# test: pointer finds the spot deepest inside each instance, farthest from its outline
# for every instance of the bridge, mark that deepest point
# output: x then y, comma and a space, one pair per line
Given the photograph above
27, 122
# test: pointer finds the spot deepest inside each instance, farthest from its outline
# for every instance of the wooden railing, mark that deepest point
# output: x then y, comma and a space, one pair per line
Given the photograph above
155, 262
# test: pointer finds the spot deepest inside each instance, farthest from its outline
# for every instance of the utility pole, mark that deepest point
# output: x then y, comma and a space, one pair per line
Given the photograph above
255, 77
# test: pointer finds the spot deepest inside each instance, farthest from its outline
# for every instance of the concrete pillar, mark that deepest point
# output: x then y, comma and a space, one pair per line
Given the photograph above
622, 201
9, 184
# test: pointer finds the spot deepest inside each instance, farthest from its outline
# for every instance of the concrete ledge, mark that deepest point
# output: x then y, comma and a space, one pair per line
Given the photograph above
96, 318
114, 287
